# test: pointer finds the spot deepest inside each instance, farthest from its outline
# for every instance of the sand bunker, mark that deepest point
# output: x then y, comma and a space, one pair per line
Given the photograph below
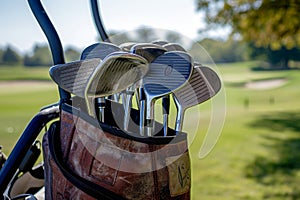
266, 84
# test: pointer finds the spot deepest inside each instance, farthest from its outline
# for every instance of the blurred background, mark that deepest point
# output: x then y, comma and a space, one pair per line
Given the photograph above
252, 44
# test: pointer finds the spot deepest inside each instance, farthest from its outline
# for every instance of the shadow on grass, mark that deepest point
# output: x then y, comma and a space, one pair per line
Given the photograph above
284, 163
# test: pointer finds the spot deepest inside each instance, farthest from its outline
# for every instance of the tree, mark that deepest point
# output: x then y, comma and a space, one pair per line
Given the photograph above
71, 54
145, 34
273, 25
1, 55
120, 38
41, 57
174, 37
10, 56
267, 23
219, 51
278, 59
225, 51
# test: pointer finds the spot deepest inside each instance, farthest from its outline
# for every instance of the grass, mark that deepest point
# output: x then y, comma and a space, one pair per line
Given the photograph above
19, 72
20, 102
256, 157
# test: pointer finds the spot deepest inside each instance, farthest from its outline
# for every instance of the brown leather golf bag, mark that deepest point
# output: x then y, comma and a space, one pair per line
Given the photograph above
88, 160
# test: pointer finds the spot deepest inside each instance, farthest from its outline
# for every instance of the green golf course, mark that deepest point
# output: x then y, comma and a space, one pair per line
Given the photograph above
257, 155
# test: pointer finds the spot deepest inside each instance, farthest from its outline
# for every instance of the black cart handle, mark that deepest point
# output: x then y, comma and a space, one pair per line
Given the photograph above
98, 22
52, 37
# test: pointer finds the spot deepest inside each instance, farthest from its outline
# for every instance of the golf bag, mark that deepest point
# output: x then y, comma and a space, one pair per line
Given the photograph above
2, 157
85, 159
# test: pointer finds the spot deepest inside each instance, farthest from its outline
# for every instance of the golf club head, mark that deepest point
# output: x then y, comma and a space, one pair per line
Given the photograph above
203, 85
99, 50
167, 73
166, 99
126, 46
148, 51
74, 76
160, 42
174, 47
114, 74
212, 78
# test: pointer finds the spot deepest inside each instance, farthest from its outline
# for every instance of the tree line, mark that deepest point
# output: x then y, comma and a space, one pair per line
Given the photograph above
40, 56
221, 51
260, 29
270, 28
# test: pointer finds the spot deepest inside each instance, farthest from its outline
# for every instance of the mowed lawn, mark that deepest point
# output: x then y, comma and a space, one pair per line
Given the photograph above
23, 91
257, 155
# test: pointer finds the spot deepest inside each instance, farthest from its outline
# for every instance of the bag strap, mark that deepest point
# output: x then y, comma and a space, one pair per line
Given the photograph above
86, 186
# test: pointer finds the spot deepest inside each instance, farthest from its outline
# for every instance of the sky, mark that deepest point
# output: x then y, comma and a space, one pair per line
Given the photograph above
74, 23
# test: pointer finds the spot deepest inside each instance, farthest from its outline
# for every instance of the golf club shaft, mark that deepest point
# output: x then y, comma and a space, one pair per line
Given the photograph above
101, 107
127, 108
150, 116
98, 21
142, 111
179, 118
166, 109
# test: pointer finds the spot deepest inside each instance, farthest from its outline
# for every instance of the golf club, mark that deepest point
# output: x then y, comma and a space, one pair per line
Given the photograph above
127, 46
203, 85
99, 50
160, 42
174, 47
114, 74
166, 99
150, 52
167, 73
73, 76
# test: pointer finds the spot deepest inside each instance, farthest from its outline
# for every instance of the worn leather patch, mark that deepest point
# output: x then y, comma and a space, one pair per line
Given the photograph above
131, 169
179, 174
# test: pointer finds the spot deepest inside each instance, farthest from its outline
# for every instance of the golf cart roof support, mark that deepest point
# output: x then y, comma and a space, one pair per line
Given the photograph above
98, 21
52, 37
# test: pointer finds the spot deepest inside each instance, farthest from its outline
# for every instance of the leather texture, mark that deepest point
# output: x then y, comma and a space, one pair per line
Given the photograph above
131, 169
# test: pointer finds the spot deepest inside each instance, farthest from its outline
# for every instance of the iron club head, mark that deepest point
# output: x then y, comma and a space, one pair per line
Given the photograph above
174, 47
167, 73
99, 50
73, 76
114, 74
148, 50
203, 85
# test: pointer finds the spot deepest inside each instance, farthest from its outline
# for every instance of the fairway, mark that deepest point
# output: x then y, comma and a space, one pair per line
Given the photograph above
256, 157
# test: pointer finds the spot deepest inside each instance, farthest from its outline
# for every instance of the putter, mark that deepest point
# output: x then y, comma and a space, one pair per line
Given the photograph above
167, 73
150, 52
174, 47
203, 85
114, 74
